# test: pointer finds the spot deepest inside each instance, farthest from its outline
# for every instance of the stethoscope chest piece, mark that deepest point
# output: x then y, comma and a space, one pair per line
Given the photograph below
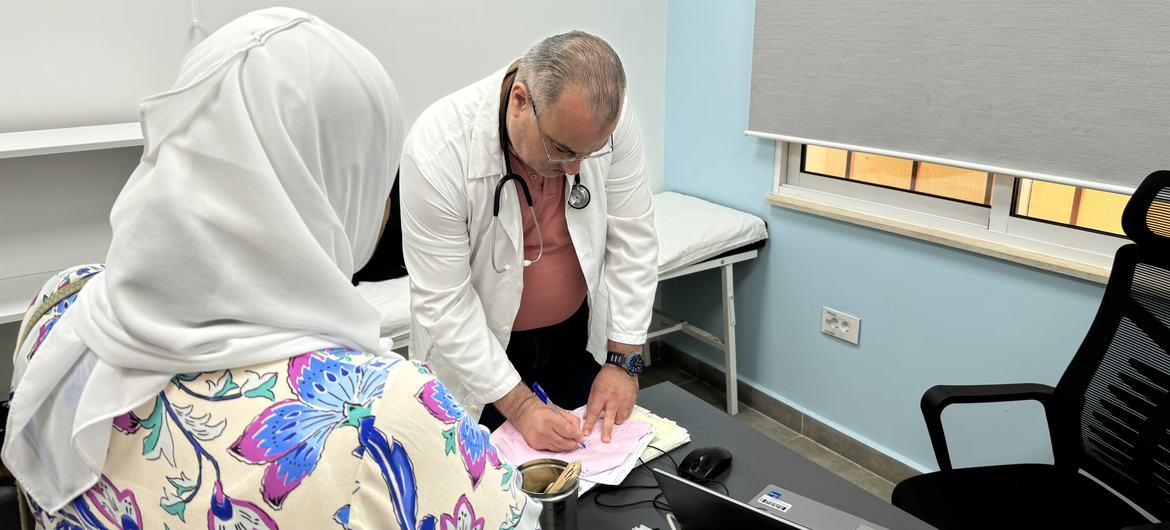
578, 194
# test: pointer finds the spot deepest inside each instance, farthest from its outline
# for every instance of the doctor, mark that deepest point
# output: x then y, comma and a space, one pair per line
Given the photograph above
528, 232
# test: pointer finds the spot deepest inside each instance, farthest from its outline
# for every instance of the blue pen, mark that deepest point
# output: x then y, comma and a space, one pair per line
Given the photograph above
543, 397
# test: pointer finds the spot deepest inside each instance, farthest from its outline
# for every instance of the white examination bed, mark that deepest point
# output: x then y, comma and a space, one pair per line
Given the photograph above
693, 235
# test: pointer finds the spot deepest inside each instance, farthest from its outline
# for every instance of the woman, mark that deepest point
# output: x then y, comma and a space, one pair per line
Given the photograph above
220, 370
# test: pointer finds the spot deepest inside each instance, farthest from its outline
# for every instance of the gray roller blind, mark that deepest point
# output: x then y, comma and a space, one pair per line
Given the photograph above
1067, 91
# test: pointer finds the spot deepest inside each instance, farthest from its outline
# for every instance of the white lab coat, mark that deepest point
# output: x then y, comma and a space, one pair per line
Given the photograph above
462, 309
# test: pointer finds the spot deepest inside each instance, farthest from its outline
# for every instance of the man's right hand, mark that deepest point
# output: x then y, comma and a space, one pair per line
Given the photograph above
546, 430
542, 428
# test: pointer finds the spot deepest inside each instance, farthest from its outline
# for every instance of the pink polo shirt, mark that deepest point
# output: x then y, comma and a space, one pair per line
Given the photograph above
554, 287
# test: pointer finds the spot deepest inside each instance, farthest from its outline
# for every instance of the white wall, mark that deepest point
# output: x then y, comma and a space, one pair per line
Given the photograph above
66, 63
84, 62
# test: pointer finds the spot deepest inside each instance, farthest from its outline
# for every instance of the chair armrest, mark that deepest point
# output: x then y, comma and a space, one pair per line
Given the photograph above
935, 399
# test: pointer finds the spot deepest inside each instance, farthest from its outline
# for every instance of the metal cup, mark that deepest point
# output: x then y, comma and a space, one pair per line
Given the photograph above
558, 510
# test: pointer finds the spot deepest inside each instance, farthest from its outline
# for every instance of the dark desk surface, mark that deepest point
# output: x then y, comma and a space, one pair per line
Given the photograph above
758, 461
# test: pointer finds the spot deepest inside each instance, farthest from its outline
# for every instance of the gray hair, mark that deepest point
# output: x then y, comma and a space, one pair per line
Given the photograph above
580, 59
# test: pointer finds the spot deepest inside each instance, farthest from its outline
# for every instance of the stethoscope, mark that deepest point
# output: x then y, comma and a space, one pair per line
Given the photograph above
578, 194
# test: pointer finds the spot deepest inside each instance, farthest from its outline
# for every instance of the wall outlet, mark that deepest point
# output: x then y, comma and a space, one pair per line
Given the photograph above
840, 325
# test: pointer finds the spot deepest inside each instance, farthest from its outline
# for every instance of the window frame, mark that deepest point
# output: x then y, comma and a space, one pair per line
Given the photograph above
1002, 232
1017, 184
903, 199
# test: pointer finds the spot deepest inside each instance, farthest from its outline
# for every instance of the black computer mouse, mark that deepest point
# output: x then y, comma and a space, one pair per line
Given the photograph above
705, 463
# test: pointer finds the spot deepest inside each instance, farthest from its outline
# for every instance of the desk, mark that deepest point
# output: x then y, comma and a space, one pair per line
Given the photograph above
758, 461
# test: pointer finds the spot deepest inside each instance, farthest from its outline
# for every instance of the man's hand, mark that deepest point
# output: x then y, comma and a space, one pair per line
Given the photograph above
544, 429
613, 395
540, 426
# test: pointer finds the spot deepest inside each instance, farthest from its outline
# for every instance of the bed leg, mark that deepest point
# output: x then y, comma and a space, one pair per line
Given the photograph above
729, 340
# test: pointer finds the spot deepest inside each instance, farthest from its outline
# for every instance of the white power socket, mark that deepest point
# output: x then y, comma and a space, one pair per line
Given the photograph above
840, 325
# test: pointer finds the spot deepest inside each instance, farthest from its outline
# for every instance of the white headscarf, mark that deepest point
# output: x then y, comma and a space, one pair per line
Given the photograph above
260, 191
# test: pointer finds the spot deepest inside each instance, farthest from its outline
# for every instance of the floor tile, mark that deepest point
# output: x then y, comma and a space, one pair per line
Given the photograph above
819, 455
672, 355
663, 371
869, 458
771, 407
711, 375
868, 481
705, 393
765, 425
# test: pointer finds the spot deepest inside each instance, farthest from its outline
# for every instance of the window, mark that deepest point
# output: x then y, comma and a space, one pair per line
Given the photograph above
1060, 204
1094, 210
948, 182
1026, 217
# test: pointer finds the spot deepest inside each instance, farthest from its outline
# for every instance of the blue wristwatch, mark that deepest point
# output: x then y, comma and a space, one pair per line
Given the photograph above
632, 363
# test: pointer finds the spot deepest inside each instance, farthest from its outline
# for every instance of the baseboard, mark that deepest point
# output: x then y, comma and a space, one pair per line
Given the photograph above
864, 455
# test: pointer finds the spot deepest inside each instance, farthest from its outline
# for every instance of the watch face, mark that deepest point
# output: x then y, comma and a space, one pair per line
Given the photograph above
635, 364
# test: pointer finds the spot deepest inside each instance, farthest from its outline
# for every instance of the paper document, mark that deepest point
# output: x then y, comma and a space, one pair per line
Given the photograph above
668, 435
616, 475
596, 457
665, 435
603, 463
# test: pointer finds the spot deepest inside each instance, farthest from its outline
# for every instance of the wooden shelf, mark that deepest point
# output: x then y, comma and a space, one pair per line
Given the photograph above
69, 139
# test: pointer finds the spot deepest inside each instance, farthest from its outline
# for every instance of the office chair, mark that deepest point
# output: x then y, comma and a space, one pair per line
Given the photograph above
1108, 415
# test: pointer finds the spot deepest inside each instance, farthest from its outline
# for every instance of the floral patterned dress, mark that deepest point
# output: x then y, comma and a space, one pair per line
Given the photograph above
327, 439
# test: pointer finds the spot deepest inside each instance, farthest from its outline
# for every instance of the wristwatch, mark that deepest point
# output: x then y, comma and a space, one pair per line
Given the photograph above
632, 363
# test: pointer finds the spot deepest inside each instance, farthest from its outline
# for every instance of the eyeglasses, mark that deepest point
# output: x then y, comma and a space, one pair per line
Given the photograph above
569, 156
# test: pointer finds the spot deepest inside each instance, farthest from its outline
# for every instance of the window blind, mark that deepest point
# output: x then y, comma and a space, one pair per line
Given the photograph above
1076, 92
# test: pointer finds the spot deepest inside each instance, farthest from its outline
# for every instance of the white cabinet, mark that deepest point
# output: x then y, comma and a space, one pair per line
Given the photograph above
56, 190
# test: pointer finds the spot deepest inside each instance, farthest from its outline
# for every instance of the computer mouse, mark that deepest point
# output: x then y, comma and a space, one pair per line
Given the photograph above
704, 463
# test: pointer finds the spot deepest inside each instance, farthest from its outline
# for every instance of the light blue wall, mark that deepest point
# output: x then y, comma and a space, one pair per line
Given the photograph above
930, 314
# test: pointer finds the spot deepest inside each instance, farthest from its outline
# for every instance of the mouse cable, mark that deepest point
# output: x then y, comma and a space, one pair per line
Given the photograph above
660, 505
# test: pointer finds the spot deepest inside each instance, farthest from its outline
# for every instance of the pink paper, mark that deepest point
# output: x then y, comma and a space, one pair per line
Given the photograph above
596, 457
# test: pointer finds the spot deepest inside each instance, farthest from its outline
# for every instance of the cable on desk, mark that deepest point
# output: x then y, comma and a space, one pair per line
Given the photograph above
659, 505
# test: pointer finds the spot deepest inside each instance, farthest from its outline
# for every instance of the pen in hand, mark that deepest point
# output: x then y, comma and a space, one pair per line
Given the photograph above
543, 397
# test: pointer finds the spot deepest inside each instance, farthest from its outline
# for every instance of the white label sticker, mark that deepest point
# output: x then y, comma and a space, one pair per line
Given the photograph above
771, 502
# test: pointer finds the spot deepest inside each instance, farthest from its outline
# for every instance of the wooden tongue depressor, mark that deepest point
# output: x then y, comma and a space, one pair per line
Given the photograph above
568, 475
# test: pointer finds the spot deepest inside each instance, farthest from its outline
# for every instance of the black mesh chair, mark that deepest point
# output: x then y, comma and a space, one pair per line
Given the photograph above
1109, 415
